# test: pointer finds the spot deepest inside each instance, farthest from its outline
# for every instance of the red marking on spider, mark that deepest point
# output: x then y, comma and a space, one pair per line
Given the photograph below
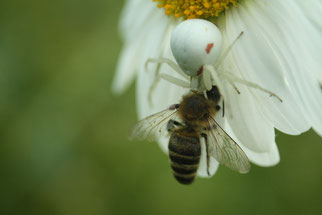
209, 47
200, 71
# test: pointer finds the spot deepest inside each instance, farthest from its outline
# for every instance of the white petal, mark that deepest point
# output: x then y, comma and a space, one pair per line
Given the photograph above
139, 45
270, 157
305, 41
248, 123
312, 9
213, 165
266, 55
126, 67
135, 15
164, 93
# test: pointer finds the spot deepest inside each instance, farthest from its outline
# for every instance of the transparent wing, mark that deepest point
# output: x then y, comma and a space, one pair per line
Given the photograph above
153, 126
225, 150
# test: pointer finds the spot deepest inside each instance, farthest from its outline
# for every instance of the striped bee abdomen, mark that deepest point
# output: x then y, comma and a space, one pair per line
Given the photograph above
184, 153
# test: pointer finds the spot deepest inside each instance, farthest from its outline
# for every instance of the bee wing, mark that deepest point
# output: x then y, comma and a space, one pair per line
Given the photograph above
152, 126
225, 150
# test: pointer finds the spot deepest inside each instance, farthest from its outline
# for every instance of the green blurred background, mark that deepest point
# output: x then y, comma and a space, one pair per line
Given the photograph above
63, 137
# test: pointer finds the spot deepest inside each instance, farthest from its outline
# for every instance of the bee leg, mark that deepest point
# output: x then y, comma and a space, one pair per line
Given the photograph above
223, 108
172, 124
207, 151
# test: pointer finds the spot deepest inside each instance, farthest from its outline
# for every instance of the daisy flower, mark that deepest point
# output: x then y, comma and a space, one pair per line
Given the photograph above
280, 50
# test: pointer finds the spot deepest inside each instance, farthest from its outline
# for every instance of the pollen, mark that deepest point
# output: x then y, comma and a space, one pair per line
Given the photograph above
189, 9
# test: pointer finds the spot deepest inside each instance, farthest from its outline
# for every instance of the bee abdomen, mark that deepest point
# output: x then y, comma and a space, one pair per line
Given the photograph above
184, 153
184, 178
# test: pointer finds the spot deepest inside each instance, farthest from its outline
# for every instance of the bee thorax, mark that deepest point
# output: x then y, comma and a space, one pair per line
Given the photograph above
193, 108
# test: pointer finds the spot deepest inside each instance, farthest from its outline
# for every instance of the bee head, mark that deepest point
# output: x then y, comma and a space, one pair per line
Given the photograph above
214, 94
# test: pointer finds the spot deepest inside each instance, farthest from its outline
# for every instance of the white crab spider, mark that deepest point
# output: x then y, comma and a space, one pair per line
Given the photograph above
196, 46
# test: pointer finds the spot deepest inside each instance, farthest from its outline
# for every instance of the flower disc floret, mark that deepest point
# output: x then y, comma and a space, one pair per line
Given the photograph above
190, 9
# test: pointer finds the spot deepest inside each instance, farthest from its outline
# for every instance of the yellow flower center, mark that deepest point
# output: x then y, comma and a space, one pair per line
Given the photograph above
189, 9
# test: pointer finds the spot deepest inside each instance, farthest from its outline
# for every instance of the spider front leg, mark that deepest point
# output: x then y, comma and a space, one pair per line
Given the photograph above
169, 78
216, 81
169, 62
207, 80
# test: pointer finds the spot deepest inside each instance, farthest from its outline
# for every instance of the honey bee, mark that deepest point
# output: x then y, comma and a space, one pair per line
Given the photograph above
186, 123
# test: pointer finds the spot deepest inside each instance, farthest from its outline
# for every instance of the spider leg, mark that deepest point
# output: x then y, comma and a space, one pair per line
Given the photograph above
234, 79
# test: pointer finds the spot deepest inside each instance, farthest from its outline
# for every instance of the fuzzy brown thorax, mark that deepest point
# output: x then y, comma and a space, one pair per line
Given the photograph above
194, 109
